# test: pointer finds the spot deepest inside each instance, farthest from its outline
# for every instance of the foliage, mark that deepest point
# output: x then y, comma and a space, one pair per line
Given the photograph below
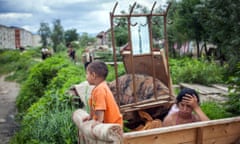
40, 76
120, 30
57, 35
17, 63
70, 35
48, 117
186, 25
61, 47
111, 74
209, 22
233, 104
85, 39
51, 127
107, 56
195, 71
45, 33
214, 110
223, 29
121, 35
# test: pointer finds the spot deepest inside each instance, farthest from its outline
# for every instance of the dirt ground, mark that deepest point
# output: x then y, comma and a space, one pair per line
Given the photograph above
8, 94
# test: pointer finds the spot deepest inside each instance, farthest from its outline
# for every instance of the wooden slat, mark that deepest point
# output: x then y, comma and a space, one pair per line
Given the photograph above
199, 136
166, 104
152, 104
222, 131
184, 136
162, 97
231, 139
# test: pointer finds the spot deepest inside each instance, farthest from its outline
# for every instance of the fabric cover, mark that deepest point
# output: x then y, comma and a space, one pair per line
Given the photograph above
102, 133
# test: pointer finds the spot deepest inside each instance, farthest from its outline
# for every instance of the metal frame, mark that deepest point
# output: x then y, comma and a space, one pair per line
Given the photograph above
149, 17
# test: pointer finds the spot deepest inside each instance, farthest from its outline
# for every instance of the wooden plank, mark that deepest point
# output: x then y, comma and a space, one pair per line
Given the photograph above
166, 104
199, 138
232, 139
162, 97
221, 130
152, 104
183, 136
182, 127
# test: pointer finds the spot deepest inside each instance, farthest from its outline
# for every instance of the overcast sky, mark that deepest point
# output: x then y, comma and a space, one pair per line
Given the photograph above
91, 16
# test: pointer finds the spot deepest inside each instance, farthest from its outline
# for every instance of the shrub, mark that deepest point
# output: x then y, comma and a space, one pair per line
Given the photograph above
214, 110
233, 104
17, 63
39, 78
51, 127
195, 71
111, 74
48, 118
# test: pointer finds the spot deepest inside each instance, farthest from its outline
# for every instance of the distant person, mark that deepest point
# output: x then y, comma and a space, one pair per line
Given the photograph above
21, 48
186, 109
103, 107
87, 56
44, 52
71, 52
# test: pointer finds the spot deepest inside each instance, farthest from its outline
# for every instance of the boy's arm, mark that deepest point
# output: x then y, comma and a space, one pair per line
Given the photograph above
99, 115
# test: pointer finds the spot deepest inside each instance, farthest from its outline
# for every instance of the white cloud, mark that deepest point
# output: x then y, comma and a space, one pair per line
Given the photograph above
15, 15
31, 28
90, 16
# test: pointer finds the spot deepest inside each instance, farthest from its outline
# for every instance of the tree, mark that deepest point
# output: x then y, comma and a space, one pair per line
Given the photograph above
223, 29
70, 35
186, 25
84, 39
121, 30
45, 33
57, 34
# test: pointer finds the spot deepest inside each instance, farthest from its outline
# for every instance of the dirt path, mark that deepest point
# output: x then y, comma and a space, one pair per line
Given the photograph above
8, 94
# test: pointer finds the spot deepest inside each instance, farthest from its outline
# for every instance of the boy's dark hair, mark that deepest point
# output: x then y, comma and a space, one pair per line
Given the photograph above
100, 68
185, 91
86, 65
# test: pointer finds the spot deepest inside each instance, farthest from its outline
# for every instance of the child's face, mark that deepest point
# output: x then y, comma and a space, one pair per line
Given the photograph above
90, 77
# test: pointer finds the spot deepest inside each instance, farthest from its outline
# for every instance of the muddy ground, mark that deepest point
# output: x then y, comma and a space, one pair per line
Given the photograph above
8, 94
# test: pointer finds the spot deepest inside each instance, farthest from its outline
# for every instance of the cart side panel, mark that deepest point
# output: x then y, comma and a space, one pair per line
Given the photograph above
222, 131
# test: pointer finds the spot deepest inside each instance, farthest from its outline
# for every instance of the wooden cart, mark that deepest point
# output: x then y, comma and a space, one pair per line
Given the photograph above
142, 57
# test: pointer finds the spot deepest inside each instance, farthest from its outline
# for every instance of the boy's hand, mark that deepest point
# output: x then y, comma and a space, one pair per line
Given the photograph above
86, 118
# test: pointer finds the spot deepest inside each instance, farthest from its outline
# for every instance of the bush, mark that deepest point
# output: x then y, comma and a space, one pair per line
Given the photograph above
16, 63
195, 71
39, 78
111, 74
233, 104
50, 127
48, 118
214, 110
107, 56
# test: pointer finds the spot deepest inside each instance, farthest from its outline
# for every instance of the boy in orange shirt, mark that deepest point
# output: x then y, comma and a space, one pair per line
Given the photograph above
103, 107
